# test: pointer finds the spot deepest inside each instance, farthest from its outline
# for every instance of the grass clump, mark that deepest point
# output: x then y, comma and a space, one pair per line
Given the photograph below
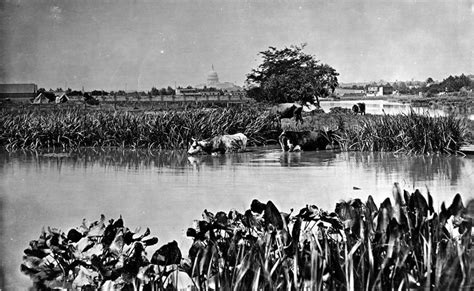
404, 244
410, 133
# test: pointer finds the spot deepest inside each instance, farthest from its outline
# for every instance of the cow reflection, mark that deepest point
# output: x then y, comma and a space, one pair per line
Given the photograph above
307, 159
218, 161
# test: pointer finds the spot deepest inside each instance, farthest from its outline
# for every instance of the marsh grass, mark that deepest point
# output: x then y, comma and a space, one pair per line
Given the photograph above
403, 244
410, 133
73, 128
173, 129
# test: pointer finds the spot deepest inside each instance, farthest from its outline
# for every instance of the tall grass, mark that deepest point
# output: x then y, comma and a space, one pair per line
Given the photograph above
410, 133
403, 244
66, 129
173, 129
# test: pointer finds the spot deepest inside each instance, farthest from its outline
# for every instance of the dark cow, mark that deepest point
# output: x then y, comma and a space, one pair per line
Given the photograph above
289, 110
219, 144
359, 108
292, 141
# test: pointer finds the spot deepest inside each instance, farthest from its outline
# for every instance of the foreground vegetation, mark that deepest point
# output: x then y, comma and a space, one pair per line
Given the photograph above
65, 129
401, 245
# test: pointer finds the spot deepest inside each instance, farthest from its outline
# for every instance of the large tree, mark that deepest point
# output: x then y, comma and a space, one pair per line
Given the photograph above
290, 75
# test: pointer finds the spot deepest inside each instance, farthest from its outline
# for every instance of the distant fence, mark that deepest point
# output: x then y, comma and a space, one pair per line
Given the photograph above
176, 98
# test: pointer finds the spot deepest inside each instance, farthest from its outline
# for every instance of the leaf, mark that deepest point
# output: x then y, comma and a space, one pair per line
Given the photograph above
257, 206
167, 255
73, 235
272, 216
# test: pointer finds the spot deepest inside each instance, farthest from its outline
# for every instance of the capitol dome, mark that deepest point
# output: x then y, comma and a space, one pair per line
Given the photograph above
212, 77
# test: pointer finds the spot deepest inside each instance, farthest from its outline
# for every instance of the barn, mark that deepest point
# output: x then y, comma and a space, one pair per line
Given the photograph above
18, 90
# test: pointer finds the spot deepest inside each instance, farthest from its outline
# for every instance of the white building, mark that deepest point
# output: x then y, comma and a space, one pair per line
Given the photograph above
213, 82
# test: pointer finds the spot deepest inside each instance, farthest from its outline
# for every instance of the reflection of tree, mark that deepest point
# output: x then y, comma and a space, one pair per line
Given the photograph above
418, 168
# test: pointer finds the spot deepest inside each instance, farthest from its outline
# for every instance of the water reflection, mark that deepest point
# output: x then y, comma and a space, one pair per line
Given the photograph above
417, 168
307, 159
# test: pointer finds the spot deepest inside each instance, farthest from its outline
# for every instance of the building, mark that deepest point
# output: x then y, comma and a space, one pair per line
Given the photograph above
212, 81
348, 92
18, 90
379, 91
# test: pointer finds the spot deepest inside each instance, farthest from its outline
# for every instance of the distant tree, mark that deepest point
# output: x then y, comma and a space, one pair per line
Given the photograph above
455, 83
68, 90
170, 91
189, 87
99, 93
41, 90
59, 89
429, 80
154, 91
75, 93
163, 91
289, 75
403, 88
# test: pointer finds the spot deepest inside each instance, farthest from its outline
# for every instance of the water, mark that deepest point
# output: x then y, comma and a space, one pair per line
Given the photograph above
166, 191
383, 106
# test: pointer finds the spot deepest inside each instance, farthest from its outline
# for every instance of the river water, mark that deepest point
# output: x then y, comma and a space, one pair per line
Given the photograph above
166, 191
387, 107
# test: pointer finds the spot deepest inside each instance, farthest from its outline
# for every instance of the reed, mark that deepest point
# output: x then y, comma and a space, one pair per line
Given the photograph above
410, 133
73, 128
173, 129
403, 244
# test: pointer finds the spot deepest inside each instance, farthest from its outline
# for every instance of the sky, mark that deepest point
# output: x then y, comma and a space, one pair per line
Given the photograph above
138, 44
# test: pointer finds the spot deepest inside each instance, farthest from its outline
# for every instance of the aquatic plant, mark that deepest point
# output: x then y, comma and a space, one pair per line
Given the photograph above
173, 129
410, 133
402, 244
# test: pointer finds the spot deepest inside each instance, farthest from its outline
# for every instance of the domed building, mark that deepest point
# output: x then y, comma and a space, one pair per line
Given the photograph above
213, 82
212, 78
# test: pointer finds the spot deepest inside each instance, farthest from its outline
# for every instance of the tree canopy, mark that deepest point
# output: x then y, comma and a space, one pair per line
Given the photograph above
289, 75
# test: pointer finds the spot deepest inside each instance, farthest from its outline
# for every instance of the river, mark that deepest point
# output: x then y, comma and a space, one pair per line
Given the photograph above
387, 107
166, 191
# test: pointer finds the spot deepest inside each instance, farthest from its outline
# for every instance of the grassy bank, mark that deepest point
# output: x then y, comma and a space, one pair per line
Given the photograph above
402, 244
173, 129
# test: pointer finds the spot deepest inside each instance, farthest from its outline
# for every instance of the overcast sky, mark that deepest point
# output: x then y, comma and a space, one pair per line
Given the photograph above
118, 44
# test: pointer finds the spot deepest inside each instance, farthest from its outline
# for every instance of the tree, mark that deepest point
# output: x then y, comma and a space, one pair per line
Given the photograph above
170, 91
429, 80
155, 91
290, 75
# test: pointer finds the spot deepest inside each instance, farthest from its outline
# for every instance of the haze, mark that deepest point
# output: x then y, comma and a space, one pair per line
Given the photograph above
134, 45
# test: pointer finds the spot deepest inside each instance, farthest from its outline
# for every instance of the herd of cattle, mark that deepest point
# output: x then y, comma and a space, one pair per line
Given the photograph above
290, 141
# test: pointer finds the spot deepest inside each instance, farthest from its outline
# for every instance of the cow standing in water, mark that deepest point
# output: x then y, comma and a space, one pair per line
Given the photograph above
359, 108
219, 144
289, 110
293, 141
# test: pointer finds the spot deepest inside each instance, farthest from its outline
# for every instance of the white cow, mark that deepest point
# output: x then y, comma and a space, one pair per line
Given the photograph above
219, 144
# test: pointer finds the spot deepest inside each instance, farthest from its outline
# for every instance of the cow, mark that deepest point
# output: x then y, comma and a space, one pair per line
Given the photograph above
289, 110
219, 144
292, 141
359, 108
